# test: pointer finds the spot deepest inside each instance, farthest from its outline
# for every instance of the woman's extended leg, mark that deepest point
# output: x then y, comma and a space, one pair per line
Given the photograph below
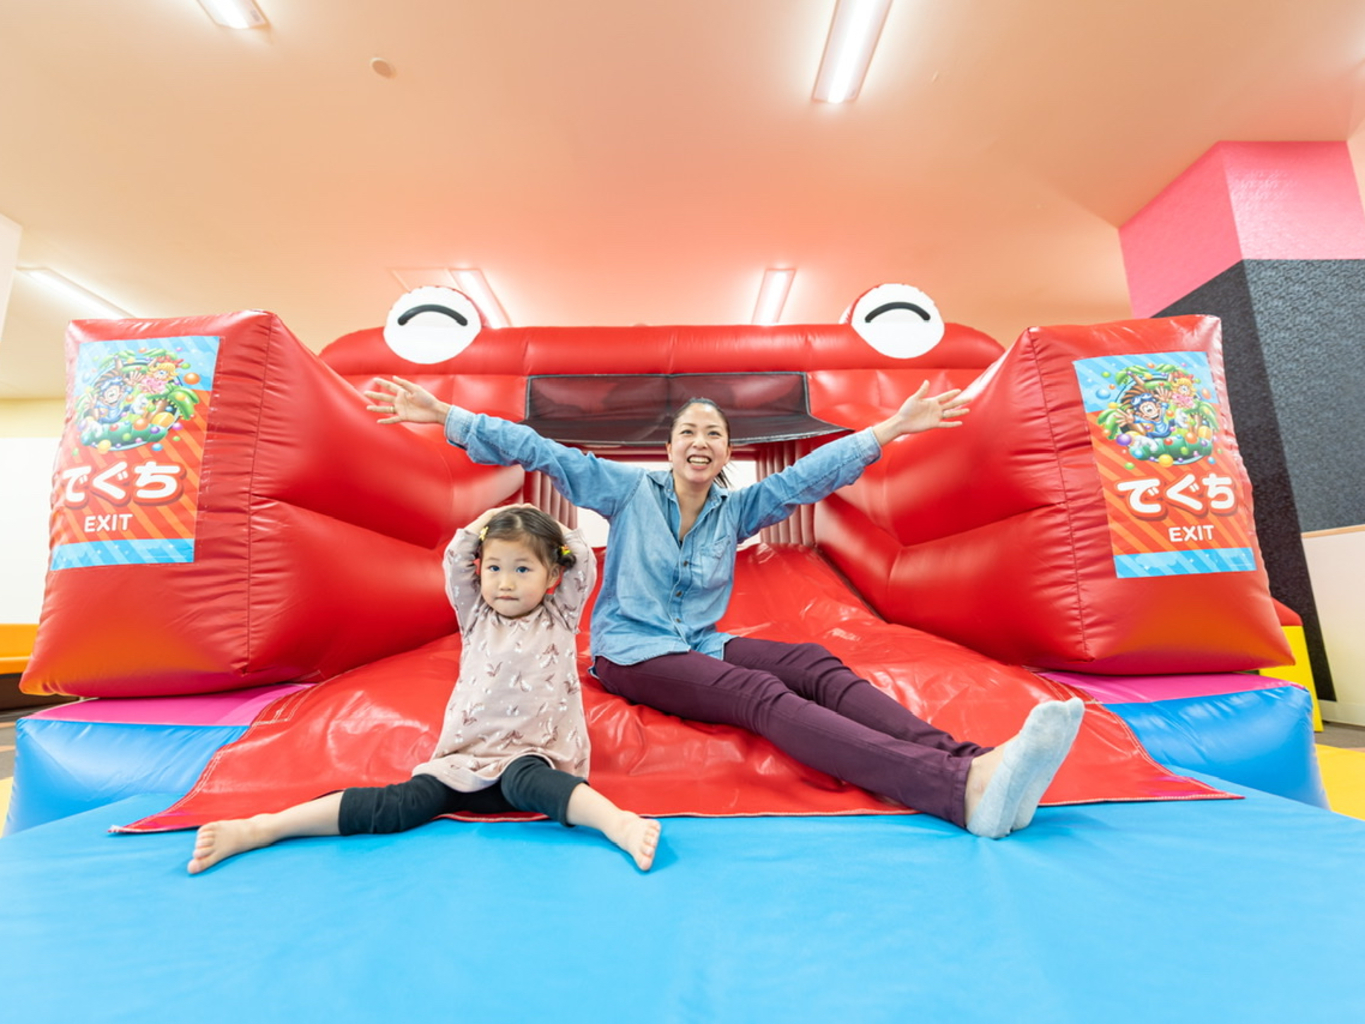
985, 793
1031, 761
707, 689
814, 673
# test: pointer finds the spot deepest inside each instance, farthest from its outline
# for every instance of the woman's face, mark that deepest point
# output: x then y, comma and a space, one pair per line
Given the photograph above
700, 445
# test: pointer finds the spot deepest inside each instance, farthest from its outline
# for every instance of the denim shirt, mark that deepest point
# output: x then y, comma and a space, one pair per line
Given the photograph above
661, 596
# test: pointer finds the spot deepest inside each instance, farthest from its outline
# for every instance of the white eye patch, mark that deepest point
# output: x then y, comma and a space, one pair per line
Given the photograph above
897, 320
432, 324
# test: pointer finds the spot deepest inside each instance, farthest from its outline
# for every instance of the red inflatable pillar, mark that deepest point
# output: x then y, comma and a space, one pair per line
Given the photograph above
226, 513
1270, 237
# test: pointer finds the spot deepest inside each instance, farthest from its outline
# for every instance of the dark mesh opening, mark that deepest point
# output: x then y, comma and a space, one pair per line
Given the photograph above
637, 410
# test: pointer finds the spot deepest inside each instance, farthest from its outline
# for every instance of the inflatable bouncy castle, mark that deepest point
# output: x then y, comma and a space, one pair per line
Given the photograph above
237, 543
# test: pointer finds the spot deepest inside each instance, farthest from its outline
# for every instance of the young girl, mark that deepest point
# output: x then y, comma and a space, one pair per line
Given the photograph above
514, 736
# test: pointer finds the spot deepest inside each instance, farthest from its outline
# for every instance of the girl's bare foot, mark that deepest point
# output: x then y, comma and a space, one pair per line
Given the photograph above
219, 840
638, 836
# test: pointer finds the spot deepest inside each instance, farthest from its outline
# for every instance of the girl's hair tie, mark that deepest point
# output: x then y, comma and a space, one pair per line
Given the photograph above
564, 550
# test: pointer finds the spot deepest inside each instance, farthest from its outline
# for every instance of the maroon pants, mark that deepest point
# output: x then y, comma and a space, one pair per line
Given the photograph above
814, 708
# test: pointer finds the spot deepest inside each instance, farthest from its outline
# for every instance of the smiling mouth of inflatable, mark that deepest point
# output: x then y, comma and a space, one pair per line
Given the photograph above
888, 307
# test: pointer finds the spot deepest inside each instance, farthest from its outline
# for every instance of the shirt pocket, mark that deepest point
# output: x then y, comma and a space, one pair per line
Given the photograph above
715, 563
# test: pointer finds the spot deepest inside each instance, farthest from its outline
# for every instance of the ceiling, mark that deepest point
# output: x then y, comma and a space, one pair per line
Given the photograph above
624, 161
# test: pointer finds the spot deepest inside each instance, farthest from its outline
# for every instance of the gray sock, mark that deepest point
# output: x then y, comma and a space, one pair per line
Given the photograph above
1030, 758
1034, 794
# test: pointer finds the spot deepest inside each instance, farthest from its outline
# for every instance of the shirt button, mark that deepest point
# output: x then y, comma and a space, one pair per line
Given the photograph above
677, 620
677, 593
686, 562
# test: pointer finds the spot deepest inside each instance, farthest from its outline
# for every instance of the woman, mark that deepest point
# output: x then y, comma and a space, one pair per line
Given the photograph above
667, 580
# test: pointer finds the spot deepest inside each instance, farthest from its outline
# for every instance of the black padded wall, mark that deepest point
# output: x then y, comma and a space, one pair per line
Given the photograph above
1294, 350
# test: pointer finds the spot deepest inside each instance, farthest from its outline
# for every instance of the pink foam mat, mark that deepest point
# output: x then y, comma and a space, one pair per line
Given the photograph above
1145, 689
236, 707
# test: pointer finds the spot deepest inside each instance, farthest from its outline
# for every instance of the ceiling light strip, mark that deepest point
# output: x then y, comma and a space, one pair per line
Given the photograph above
72, 292
234, 13
772, 295
475, 285
853, 35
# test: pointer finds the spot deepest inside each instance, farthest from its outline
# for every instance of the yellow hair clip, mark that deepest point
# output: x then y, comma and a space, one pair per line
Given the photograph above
482, 534
564, 550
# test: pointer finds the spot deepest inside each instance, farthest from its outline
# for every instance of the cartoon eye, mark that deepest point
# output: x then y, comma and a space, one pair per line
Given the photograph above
897, 320
432, 324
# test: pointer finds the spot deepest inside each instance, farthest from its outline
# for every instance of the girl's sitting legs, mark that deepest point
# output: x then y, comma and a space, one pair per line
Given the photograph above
529, 784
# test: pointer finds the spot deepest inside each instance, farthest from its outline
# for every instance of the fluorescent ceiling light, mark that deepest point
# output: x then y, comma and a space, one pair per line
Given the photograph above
422, 277
234, 13
853, 35
772, 295
72, 292
475, 285
469, 280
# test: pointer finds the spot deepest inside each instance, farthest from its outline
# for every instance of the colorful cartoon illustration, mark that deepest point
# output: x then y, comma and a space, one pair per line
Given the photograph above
135, 399
1159, 414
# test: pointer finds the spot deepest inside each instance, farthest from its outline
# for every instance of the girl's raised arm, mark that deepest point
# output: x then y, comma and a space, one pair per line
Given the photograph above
578, 580
461, 570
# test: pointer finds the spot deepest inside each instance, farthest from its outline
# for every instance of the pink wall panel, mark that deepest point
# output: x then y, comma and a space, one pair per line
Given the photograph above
1243, 200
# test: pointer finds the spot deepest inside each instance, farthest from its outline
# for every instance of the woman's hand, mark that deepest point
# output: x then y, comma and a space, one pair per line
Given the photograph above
406, 402
921, 412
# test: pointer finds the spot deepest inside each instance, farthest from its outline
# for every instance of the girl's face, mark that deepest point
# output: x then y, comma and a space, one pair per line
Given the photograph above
700, 445
512, 579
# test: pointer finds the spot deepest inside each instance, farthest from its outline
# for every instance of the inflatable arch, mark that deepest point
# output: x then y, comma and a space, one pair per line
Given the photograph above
226, 515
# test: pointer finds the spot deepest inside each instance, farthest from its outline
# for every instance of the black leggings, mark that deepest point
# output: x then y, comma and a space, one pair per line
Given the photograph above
529, 784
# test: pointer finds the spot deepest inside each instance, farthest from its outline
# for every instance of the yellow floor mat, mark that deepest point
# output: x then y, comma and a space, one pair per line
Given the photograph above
1343, 776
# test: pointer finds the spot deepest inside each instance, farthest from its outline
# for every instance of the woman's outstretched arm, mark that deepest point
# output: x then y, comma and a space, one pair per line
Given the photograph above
405, 402
920, 412
585, 480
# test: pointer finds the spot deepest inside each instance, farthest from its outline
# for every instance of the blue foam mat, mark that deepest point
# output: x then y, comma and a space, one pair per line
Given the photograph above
1247, 910
1259, 738
64, 767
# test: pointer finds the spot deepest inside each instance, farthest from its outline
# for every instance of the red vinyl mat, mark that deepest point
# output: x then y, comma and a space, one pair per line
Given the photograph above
369, 726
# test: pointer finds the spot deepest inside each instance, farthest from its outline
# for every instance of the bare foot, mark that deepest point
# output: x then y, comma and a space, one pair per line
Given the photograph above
219, 840
638, 836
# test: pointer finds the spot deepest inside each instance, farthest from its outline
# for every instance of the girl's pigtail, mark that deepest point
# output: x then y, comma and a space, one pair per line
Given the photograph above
566, 557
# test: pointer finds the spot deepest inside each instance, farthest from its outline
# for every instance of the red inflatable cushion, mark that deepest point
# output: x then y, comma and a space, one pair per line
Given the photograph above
371, 725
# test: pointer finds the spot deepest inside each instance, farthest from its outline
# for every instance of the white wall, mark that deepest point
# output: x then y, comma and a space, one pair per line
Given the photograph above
26, 469
1336, 565
9, 258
